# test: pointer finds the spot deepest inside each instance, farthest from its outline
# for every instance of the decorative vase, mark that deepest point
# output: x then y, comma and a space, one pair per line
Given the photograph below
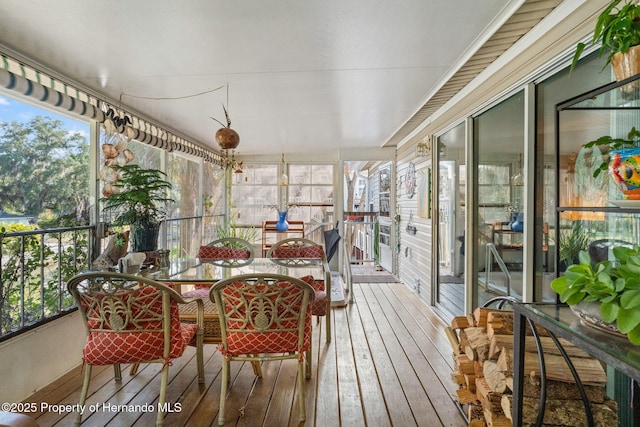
589, 314
624, 169
144, 237
518, 224
282, 224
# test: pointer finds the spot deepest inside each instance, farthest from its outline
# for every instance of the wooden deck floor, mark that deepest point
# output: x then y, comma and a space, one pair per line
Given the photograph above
388, 364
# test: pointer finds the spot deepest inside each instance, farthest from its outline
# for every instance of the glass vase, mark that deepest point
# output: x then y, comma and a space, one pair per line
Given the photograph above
282, 224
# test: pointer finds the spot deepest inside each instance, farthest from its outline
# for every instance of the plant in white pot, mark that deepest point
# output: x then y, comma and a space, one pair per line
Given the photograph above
138, 200
612, 286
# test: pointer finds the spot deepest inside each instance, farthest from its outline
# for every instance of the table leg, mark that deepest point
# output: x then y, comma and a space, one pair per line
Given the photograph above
519, 325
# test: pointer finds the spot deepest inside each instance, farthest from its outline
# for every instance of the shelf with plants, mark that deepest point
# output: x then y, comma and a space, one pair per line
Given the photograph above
598, 201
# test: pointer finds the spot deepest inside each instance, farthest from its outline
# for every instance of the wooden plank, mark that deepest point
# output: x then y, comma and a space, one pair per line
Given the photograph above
419, 357
351, 402
398, 405
391, 355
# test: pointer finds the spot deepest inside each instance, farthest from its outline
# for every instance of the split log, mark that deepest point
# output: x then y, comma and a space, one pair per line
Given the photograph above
562, 412
458, 378
460, 322
470, 320
465, 396
589, 370
491, 401
476, 416
453, 340
500, 322
561, 390
465, 366
470, 382
496, 420
496, 380
462, 338
480, 315
548, 346
507, 405
477, 369
509, 383
478, 343
505, 361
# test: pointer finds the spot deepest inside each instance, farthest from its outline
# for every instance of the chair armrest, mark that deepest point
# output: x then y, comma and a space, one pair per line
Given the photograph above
199, 312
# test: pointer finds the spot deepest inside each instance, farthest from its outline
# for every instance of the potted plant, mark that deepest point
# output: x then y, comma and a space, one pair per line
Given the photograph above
612, 286
138, 200
233, 230
621, 157
618, 31
571, 242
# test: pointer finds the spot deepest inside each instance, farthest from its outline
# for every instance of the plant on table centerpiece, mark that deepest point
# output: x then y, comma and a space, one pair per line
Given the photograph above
138, 201
614, 285
617, 31
234, 230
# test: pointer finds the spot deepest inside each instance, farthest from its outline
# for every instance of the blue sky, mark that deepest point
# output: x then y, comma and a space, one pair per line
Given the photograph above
14, 110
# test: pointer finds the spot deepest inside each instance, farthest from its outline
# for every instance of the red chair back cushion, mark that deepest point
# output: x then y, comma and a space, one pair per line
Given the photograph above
107, 348
315, 251
248, 342
319, 303
214, 252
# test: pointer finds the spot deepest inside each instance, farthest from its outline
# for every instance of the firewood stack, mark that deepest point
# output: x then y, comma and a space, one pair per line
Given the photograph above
482, 345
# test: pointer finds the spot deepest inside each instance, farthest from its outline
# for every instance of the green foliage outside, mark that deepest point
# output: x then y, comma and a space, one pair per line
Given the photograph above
44, 173
44, 167
43, 264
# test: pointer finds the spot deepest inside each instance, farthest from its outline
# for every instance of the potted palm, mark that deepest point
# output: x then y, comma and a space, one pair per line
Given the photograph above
138, 199
605, 294
617, 31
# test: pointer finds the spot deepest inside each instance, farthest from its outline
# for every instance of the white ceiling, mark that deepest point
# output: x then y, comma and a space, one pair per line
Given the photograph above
303, 76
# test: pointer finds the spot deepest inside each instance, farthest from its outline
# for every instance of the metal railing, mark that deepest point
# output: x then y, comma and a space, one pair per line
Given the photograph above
185, 235
491, 256
34, 267
359, 234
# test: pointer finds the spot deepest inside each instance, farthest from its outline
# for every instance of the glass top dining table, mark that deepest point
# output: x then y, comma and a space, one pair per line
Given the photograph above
194, 270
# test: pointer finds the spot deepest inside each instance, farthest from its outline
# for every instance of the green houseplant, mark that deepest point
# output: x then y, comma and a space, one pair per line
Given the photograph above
571, 242
606, 144
234, 230
138, 201
615, 285
617, 30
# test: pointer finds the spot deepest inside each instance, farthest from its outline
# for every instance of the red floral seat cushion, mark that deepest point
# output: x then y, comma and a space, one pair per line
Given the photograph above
248, 342
107, 348
319, 303
216, 252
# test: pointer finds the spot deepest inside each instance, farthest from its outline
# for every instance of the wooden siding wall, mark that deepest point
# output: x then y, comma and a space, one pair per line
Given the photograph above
415, 254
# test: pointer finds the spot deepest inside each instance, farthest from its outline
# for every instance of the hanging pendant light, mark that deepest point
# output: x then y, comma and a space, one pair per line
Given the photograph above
517, 179
284, 179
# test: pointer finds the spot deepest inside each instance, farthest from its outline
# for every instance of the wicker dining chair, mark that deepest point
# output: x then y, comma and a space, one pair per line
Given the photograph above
132, 319
263, 317
298, 251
